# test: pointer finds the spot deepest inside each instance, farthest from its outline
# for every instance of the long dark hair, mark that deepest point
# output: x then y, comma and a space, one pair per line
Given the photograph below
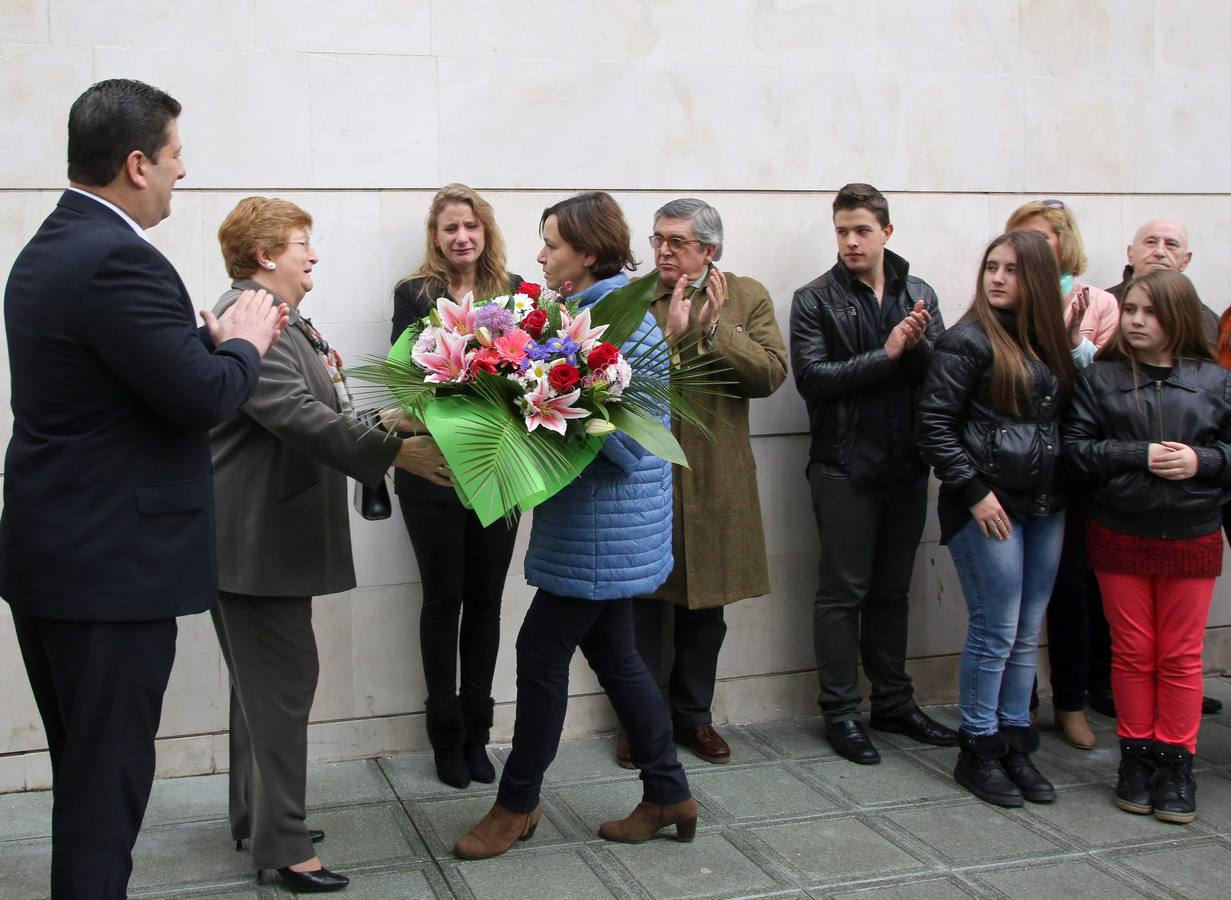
1039, 334
1178, 310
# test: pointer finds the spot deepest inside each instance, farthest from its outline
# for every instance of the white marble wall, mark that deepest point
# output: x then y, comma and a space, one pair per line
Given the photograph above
958, 110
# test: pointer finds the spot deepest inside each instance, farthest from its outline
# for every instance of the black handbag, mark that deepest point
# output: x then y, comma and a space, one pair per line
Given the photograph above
372, 503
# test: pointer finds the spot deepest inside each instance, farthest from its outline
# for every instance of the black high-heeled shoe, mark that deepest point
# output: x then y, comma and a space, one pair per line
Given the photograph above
316, 882
315, 833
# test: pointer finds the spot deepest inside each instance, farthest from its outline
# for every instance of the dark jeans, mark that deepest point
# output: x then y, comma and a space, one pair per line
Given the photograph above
99, 689
463, 566
553, 629
1079, 641
680, 647
868, 542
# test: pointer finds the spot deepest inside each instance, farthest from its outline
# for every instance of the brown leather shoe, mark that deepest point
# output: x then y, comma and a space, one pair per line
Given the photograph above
707, 743
624, 753
1074, 729
496, 832
648, 818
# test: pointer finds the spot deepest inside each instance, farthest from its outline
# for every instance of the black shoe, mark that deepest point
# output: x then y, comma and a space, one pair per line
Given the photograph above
446, 734
1210, 706
850, 741
479, 764
1018, 766
314, 833
1174, 790
1135, 775
918, 725
1102, 701
980, 772
316, 882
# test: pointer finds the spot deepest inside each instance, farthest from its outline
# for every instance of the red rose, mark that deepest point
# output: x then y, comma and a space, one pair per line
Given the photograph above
484, 360
563, 377
534, 322
602, 356
530, 290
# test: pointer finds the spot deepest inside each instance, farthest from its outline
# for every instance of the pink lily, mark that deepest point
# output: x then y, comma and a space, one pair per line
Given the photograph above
540, 408
579, 329
457, 317
449, 362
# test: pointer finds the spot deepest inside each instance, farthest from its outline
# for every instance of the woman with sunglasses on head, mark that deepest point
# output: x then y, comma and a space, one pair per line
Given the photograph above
1150, 431
988, 423
462, 565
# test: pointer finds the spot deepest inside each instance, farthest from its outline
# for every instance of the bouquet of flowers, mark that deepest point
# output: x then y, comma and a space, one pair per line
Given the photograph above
521, 390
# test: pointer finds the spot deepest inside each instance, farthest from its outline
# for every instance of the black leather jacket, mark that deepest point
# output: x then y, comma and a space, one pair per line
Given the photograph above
830, 363
974, 447
1113, 419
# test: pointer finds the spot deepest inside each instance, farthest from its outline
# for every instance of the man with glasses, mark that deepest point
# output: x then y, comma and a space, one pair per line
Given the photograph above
861, 340
717, 539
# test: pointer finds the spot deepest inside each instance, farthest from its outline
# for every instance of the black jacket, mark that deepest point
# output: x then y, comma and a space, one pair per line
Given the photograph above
831, 363
974, 447
1113, 419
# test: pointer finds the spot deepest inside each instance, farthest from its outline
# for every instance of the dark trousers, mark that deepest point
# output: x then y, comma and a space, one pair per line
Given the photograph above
1078, 638
680, 647
99, 689
553, 629
270, 651
463, 567
868, 542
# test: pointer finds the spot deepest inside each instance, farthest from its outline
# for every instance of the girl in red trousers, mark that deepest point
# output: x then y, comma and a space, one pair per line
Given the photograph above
1149, 429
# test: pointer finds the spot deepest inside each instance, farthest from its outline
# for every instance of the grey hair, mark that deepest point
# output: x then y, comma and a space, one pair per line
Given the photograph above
704, 218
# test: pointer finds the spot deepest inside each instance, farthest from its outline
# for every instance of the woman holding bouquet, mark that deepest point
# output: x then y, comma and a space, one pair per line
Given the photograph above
462, 565
280, 468
595, 545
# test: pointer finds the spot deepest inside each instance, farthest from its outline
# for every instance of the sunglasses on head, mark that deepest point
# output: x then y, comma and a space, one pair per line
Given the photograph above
1053, 204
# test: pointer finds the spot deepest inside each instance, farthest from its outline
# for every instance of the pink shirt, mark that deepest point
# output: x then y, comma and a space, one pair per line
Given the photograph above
1102, 318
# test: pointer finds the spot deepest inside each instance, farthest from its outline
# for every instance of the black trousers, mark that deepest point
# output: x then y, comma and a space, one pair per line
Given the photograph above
99, 689
463, 566
861, 613
680, 647
553, 629
270, 650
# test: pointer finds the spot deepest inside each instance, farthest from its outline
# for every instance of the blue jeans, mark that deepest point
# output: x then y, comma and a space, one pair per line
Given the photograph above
1007, 585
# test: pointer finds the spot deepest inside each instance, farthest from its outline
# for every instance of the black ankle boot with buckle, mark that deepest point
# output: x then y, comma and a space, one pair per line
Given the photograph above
1133, 791
1022, 741
1174, 790
979, 768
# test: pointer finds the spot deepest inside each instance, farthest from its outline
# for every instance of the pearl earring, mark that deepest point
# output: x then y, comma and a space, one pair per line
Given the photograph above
271, 265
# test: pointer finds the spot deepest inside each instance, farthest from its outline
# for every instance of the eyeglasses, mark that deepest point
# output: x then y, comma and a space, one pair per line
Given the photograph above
675, 242
1053, 204
306, 240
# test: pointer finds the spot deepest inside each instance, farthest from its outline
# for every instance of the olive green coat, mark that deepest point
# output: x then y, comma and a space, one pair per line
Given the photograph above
718, 538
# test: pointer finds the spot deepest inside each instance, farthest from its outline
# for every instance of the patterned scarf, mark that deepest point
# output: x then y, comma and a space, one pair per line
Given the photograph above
332, 361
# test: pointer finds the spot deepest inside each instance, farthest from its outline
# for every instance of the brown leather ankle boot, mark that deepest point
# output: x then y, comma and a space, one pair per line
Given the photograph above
496, 832
648, 818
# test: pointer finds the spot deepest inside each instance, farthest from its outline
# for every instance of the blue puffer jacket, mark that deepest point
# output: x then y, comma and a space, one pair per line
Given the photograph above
608, 534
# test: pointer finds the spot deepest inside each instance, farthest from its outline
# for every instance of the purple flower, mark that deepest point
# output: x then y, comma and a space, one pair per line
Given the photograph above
494, 317
538, 352
565, 347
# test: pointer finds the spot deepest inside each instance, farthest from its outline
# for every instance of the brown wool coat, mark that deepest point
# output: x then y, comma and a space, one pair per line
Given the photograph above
718, 538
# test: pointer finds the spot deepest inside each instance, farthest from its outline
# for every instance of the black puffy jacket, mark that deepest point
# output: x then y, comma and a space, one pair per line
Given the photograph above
1112, 420
976, 449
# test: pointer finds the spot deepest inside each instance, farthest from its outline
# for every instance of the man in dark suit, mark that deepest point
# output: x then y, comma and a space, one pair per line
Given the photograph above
107, 532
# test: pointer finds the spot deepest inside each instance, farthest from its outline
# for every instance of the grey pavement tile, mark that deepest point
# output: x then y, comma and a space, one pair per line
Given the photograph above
1214, 801
1214, 744
1090, 817
835, 849
443, 821
1061, 880
792, 738
586, 760
593, 804
25, 815
26, 870
345, 783
194, 799
561, 874
761, 792
709, 866
368, 835
243, 893
1067, 766
1195, 873
413, 777
900, 778
194, 855
405, 884
927, 887
972, 832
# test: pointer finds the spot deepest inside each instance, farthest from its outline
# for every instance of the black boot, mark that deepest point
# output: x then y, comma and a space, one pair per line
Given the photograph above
1022, 741
1174, 790
477, 717
1136, 773
979, 769
446, 734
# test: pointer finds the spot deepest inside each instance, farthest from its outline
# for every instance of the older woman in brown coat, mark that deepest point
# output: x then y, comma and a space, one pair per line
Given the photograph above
280, 468
718, 539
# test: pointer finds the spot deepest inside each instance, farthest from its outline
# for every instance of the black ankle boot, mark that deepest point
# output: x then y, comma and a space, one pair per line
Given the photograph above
477, 723
979, 769
446, 734
1136, 772
1022, 741
1174, 790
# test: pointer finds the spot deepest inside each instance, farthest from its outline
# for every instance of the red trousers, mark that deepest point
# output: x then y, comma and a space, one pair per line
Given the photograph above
1157, 630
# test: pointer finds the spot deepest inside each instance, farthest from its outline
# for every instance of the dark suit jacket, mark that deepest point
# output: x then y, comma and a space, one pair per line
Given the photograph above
108, 497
